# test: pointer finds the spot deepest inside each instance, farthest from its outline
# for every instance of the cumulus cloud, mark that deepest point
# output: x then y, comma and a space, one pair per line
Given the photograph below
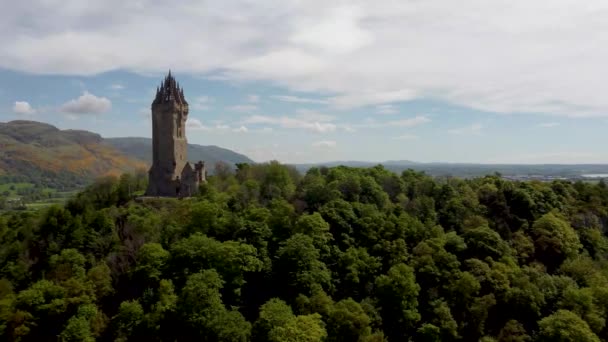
86, 103
500, 56
325, 144
23, 108
241, 129
196, 125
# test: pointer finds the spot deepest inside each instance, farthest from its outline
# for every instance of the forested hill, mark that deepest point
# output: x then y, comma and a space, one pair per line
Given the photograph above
36, 152
337, 254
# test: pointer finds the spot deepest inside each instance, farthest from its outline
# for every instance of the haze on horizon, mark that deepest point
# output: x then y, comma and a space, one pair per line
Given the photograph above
311, 81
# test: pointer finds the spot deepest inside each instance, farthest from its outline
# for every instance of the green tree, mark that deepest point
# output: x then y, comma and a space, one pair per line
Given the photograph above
513, 331
306, 328
554, 239
274, 313
397, 293
151, 259
298, 262
128, 319
564, 325
348, 321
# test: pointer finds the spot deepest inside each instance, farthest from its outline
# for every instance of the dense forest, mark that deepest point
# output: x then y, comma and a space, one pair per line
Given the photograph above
338, 254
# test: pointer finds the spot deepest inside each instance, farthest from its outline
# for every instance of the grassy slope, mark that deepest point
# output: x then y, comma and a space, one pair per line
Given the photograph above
26, 147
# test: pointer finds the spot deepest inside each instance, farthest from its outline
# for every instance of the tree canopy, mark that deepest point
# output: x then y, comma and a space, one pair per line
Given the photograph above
337, 254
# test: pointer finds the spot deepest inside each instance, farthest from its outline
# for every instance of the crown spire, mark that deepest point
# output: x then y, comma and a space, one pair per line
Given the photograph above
170, 91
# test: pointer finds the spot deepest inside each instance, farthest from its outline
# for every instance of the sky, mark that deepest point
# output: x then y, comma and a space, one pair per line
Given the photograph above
481, 81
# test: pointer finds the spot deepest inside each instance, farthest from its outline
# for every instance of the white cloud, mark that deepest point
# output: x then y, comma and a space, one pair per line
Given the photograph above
311, 115
386, 109
241, 129
357, 98
323, 123
196, 125
298, 99
292, 122
549, 124
501, 56
252, 98
325, 144
349, 128
406, 137
23, 108
473, 129
87, 103
201, 103
410, 122
117, 86
247, 108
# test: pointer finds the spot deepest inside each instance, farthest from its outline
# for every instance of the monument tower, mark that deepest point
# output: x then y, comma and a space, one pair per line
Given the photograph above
171, 174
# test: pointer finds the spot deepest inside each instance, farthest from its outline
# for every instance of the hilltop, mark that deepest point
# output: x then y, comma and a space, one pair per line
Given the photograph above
33, 150
38, 152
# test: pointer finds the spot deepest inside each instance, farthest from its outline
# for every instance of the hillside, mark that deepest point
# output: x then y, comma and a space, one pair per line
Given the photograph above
141, 148
38, 152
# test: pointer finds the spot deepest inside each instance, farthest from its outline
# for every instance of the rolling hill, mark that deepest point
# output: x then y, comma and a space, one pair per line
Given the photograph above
141, 148
38, 152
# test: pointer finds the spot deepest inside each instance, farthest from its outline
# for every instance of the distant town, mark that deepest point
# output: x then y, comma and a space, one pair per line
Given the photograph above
545, 178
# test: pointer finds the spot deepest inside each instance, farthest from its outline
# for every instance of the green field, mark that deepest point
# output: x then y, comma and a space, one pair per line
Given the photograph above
11, 188
44, 197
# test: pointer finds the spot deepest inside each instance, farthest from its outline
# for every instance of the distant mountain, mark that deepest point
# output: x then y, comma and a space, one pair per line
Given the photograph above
38, 152
355, 163
469, 170
141, 148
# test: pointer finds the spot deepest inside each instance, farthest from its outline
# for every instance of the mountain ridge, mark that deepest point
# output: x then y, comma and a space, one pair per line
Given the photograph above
34, 151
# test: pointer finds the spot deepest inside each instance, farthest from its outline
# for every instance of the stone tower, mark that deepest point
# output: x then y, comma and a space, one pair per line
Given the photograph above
171, 174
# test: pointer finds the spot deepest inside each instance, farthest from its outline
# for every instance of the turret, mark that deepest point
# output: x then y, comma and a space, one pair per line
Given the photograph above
169, 91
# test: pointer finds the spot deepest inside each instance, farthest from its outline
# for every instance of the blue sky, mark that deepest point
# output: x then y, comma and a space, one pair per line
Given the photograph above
488, 82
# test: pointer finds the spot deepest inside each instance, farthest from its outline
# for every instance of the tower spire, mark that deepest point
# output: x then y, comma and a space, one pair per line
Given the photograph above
170, 90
